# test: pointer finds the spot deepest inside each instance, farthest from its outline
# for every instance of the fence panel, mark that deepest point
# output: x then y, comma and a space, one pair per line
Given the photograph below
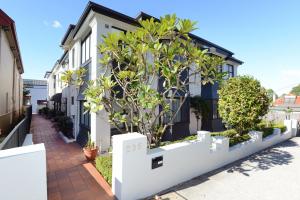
17, 136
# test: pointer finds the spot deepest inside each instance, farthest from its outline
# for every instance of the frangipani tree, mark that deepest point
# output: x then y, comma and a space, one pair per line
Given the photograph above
73, 77
146, 71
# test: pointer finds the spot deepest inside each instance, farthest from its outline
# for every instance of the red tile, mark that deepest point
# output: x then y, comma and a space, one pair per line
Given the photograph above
67, 176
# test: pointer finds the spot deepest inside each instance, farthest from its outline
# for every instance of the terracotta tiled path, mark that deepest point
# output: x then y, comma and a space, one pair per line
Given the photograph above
68, 177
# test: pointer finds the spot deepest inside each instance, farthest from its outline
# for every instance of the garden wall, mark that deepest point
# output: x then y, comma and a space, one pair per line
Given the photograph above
23, 173
139, 172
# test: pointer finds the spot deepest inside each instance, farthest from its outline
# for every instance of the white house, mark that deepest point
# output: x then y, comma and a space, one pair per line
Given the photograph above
37, 93
80, 46
11, 70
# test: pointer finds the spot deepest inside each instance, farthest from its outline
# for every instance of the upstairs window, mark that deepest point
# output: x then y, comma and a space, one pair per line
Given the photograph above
54, 81
230, 71
73, 57
86, 49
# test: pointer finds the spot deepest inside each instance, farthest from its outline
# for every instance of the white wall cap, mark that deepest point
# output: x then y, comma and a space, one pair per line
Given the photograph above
128, 136
22, 150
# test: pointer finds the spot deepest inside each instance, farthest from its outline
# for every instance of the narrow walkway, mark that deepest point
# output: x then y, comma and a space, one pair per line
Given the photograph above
273, 174
66, 174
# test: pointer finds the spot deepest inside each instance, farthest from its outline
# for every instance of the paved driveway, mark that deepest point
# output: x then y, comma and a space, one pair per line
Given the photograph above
273, 174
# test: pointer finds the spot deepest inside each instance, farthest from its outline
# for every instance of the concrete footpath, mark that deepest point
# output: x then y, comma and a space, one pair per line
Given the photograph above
273, 174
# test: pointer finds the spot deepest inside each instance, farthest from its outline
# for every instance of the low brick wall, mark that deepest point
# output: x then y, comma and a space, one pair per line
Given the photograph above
139, 172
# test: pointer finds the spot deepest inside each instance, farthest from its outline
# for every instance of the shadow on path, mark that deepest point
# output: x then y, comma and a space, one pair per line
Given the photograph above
264, 160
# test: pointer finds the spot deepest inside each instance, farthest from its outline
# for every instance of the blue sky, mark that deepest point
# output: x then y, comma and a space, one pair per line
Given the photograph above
264, 34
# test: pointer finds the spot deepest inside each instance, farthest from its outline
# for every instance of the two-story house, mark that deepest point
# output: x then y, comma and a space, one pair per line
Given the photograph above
80, 42
11, 70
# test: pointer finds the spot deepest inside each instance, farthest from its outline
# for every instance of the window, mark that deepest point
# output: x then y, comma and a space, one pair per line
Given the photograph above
54, 81
72, 100
220, 69
85, 118
230, 71
215, 110
85, 49
174, 106
73, 57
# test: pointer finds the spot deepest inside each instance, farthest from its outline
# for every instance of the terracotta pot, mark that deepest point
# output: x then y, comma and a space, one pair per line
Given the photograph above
90, 154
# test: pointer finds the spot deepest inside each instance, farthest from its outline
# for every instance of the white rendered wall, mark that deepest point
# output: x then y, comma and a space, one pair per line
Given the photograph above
23, 173
133, 177
37, 93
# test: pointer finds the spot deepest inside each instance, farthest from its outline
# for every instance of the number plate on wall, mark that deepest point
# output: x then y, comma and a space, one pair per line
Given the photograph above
157, 162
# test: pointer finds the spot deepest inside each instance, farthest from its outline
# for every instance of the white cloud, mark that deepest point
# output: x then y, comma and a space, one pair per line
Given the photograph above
56, 24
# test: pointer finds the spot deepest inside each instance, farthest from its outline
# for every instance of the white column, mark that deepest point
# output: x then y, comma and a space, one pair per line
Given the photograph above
100, 127
129, 154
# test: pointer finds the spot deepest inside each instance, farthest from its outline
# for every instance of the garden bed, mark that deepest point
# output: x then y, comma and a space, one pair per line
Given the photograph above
231, 134
268, 129
104, 166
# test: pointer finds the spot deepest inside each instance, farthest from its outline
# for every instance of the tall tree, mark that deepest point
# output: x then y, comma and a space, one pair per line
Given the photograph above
296, 90
271, 93
147, 73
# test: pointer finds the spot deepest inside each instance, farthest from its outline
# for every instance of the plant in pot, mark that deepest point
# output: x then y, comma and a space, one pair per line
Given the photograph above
90, 150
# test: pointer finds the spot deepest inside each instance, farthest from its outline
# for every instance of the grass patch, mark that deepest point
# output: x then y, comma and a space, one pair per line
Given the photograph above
233, 136
104, 166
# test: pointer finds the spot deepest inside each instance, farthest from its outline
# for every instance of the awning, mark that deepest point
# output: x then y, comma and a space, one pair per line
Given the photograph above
56, 97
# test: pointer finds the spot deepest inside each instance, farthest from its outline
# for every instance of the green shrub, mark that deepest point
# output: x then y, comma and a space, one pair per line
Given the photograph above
51, 113
234, 137
268, 128
65, 125
243, 101
267, 131
281, 127
44, 111
104, 166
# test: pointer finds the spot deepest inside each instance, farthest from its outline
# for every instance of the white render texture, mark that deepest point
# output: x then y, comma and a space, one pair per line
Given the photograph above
23, 173
133, 177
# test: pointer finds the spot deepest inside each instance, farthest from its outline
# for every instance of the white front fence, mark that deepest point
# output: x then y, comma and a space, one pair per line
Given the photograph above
139, 172
23, 173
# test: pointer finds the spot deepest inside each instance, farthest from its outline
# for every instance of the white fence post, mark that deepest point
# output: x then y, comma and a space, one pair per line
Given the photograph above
129, 151
294, 127
288, 124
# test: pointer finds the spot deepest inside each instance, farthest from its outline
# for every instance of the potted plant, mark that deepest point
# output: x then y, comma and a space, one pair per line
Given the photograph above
90, 150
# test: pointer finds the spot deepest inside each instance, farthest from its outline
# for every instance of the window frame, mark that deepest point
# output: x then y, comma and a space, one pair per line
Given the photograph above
73, 57
85, 58
230, 70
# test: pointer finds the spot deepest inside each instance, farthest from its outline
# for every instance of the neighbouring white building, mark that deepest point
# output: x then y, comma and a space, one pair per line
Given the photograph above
11, 70
37, 93
80, 50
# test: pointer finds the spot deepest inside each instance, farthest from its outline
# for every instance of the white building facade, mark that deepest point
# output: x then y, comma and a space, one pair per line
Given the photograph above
80, 44
37, 93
